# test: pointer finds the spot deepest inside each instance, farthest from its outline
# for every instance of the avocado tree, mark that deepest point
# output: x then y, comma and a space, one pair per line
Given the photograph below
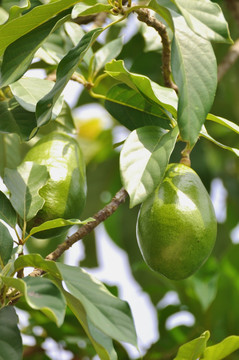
169, 131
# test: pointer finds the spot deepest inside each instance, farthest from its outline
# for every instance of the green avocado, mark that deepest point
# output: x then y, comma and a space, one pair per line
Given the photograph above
176, 226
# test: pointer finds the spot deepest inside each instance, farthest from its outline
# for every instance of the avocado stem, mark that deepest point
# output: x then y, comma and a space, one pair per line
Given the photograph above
185, 159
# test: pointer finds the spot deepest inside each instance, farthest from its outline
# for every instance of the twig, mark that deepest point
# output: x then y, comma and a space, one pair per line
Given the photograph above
99, 217
228, 60
144, 16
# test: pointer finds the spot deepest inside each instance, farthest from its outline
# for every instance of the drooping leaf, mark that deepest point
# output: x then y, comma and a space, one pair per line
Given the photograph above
90, 7
41, 294
16, 28
193, 349
195, 73
206, 19
224, 122
221, 350
65, 70
205, 134
24, 184
101, 342
56, 223
28, 91
109, 314
10, 338
143, 160
7, 212
19, 54
6, 245
166, 98
15, 119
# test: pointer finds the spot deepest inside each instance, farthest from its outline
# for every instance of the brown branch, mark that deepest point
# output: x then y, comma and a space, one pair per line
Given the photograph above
144, 16
99, 217
228, 60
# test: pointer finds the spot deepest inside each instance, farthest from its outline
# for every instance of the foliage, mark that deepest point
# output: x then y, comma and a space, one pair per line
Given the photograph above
158, 86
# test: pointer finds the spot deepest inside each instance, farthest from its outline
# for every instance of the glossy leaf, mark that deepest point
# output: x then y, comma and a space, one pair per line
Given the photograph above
15, 119
7, 212
65, 70
6, 245
195, 73
221, 350
206, 19
205, 134
16, 28
165, 97
143, 160
193, 349
108, 313
11, 342
56, 223
90, 7
28, 91
41, 294
24, 184
19, 54
224, 122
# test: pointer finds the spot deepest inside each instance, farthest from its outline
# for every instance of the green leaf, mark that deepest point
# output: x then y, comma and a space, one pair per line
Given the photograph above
206, 19
132, 118
143, 160
28, 91
222, 349
228, 124
6, 245
56, 223
10, 338
65, 69
15, 119
124, 95
195, 73
166, 98
162, 8
193, 349
106, 312
24, 184
105, 54
10, 151
205, 134
19, 54
16, 28
101, 342
36, 261
41, 294
7, 212
90, 7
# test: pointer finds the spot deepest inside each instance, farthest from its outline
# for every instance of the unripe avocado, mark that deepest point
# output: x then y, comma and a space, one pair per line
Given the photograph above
176, 226
65, 191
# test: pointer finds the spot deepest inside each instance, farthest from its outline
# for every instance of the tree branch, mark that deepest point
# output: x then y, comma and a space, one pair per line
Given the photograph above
144, 16
228, 60
99, 217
